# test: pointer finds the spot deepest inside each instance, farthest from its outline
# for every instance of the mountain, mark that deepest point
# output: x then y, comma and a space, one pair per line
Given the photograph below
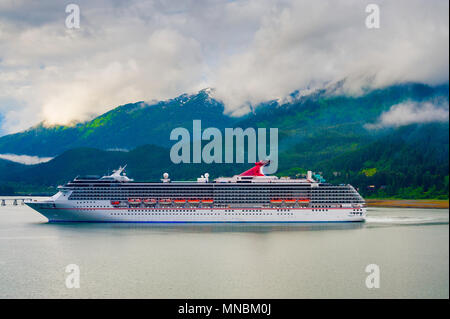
320, 131
303, 119
12, 168
88, 161
319, 126
144, 163
410, 162
124, 127
1, 120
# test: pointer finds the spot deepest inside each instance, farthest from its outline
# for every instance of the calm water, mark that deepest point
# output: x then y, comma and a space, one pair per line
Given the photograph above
411, 247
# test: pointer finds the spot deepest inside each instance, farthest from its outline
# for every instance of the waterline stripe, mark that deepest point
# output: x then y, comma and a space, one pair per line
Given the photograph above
206, 222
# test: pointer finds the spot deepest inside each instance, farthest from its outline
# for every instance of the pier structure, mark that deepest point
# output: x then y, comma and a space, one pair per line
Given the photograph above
14, 201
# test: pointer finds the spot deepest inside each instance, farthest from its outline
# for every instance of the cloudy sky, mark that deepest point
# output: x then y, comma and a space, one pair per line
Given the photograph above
249, 51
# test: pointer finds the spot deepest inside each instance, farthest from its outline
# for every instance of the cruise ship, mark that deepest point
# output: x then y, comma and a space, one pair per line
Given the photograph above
250, 197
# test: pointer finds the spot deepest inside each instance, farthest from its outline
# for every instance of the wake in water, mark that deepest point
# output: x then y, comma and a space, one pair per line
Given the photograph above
407, 219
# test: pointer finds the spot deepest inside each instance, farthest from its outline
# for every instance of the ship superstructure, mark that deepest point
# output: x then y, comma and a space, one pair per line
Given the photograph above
249, 197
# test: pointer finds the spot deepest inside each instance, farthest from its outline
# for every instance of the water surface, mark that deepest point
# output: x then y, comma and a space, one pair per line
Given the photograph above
411, 247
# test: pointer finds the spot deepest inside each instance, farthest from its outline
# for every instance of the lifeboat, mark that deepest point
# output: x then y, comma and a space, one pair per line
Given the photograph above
134, 201
149, 202
276, 201
179, 202
207, 201
165, 201
303, 201
194, 201
290, 202
115, 202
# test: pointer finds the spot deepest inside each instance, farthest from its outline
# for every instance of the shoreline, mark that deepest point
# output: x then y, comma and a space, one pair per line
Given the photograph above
408, 203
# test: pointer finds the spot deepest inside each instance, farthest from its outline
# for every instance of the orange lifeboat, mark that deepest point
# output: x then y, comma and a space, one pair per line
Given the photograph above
303, 201
149, 201
115, 202
290, 202
276, 201
194, 201
179, 202
134, 201
207, 201
165, 201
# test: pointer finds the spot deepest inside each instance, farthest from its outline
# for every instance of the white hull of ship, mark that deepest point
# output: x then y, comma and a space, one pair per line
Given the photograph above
104, 212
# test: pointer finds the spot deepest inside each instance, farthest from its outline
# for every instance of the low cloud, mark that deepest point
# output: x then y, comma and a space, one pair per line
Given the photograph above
25, 159
250, 51
316, 44
411, 113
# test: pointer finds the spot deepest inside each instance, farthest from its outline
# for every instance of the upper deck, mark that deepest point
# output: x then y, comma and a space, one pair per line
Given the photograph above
243, 188
254, 175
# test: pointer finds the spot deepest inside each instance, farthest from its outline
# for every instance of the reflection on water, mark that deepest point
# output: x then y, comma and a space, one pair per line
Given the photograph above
226, 260
205, 228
